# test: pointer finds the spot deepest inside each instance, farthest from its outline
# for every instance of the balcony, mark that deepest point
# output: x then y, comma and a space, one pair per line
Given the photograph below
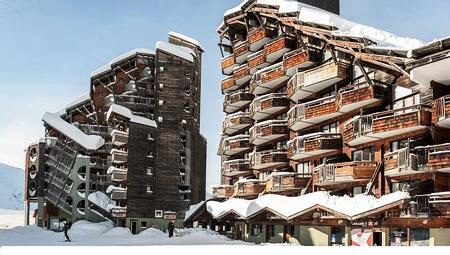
352, 173
439, 158
119, 212
248, 188
257, 61
228, 64
223, 191
241, 75
441, 112
314, 146
356, 97
228, 84
236, 168
119, 156
266, 106
268, 132
235, 145
268, 79
236, 123
236, 101
312, 113
305, 84
268, 159
286, 183
119, 138
119, 194
117, 174
378, 126
241, 52
258, 37
278, 47
403, 162
299, 58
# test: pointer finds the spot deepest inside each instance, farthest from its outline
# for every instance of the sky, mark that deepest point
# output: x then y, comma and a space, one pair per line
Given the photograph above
48, 48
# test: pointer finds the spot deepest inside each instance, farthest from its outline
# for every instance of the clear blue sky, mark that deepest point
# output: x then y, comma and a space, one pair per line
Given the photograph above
48, 48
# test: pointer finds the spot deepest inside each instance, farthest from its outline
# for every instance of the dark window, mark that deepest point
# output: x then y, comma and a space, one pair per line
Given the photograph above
366, 154
337, 236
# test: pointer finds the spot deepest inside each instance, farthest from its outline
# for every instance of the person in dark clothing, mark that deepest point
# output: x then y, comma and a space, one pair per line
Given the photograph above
66, 229
171, 228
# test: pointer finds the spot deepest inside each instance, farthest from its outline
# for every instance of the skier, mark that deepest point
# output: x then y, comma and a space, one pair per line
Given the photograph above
66, 229
171, 228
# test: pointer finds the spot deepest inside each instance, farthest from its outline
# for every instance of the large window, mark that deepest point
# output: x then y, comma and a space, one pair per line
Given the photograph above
332, 128
398, 236
367, 154
256, 229
303, 168
420, 237
398, 145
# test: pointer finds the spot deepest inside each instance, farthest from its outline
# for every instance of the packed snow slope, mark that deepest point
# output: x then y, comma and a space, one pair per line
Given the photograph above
104, 234
11, 187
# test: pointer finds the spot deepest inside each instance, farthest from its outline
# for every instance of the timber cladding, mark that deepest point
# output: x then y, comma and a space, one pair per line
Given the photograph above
320, 109
439, 160
257, 59
357, 95
227, 62
401, 121
272, 74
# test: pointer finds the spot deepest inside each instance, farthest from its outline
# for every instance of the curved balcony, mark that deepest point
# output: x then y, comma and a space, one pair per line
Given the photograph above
223, 191
314, 146
258, 37
312, 113
268, 159
119, 156
359, 96
441, 112
356, 173
117, 174
257, 61
236, 168
286, 183
268, 79
228, 84
119, 194
276, 48
235, 145
268, 132
119, 138
241, 75
248, 188
241, 52
266, 106
235, 101
305, 84
228, 64
299, 58
383, 125
236, 122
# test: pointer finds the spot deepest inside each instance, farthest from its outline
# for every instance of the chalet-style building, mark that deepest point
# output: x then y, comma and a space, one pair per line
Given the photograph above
130, 150
316, 104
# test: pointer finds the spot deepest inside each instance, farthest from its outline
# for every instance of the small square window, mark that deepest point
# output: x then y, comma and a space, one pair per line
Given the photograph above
150, 137
158, 213
149, 170
150, 154
143, 224
161, 85
161, 68
160, 119
149, 189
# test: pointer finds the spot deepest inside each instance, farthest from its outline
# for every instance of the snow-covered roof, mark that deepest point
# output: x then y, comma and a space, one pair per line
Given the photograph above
75, 102
186, 38
193, 209
180, 51
101, 200
89, 142
310, 14
129, 54
291, 207
125, 112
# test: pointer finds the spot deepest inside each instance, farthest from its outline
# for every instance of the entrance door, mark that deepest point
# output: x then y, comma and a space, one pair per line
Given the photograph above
377, 239
288, 233
134, 227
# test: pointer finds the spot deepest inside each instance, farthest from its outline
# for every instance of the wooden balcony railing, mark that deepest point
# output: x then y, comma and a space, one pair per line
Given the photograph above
265, 106
257, 61
119, 212
119, 156
441, 112
404, 161
235, 101
358, 96
314, 145
119, 138
236, 167
236, 123
286, 183
248, 188
373, 127
314, 112
268, 79
118, 174
228, 84
223, 191
258, 37
228, 64
276, 48
242, 75
236, 145
119, 194
346, 172
268, 159
241, 52
439, 157
299, 58
268, 132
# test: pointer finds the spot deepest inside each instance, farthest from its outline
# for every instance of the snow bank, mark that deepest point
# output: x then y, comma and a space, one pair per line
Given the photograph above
310, 14
149, 232
125, 112
86, 228
186, 38
90, 142
100, 199
180, 51
118, 232
289, 207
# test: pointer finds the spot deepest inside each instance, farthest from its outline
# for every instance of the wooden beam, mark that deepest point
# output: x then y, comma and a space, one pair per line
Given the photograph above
369, 81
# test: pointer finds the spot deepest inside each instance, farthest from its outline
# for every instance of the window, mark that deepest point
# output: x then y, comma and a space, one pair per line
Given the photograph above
271, 230
332, 128
149, 189
256, 229
161, 68
337, 236
398, 145
150, 137
420, 237
158, 213
149, 170
160, 119
366, 154
358, 190
398, 237
150, 154
161, 85
303, 168
143, 224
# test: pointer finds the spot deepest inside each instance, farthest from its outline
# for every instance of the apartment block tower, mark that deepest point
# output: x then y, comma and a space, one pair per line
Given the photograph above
130, 150
309, 109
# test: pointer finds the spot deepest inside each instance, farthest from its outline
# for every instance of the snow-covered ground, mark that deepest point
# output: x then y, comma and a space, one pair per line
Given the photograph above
99, 234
